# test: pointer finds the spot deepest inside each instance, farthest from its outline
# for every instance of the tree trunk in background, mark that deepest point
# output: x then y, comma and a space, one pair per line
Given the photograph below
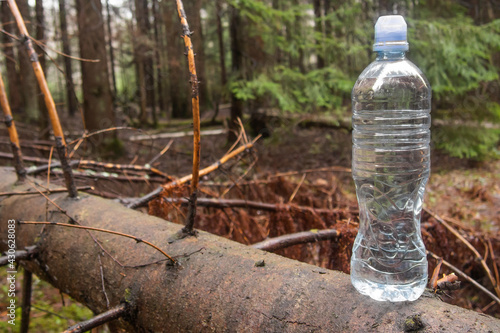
220, 38
72, 102
28, 86
236, 67
140, 51
193, 9
318, 27
149, 60
111, 51
177, 67
13, 83
97, 103
43, 121
157, 21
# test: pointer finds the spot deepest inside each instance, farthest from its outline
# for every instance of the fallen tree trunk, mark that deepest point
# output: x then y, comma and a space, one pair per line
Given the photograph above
216, 284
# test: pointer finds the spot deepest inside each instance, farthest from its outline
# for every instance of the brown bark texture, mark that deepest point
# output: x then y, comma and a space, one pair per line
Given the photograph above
217, 284
97, 101
13, 79
72, 102
28, 85
177, 73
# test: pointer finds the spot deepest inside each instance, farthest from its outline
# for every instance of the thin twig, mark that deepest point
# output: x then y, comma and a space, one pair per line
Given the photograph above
160, 154
228, 203
493, 259
210, 168
102, 281
27, 254
469, 245
297, 188
26, 301
67, 225
465, 276
55, 190
281, 242
45, 46
195, 103
156, 192
14, 138
101, 319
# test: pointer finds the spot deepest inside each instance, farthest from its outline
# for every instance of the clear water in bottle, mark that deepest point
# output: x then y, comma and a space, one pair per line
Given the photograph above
391, 164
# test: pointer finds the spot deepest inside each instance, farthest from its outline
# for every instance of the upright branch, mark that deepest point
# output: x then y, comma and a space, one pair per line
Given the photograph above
195, 102
49, 101
14, 138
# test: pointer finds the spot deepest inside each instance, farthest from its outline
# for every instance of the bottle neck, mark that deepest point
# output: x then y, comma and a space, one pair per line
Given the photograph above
391, 55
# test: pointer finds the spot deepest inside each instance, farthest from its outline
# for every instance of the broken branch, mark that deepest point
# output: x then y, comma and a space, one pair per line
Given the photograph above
281, 242
101, 319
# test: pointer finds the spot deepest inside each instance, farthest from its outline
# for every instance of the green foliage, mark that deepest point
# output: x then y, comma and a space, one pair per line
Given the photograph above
459, 57
455, 54
290, 90
467, 141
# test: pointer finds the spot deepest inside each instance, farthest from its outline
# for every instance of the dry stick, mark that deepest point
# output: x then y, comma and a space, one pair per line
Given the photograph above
228, 203
56, 190
88, 135
101, 319
27, 254
160, 154
14, 138
89, 163
49, 101
465, 276
26, 301
45, 46
210, 168
195, 103
281, 242
25, 158
102, 280
435, 274
493, 259
150, 196
137, 239
469, 245
297, 188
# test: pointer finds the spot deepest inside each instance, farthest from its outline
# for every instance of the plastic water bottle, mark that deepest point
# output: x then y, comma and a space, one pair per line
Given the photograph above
391, 104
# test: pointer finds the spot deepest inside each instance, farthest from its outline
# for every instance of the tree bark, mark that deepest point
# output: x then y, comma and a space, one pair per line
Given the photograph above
43, 120
220, 39
318, 27
157, 21
72, 102
237, 68
193, 13
177, 73
15, 98
216, 285
28, 82
144, 57
111, 50
97, 102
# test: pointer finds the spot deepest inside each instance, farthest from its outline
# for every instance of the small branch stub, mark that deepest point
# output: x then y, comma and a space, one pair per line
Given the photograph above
101, 319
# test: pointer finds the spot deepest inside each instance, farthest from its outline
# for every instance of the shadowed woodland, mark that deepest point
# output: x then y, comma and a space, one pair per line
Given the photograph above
232, 117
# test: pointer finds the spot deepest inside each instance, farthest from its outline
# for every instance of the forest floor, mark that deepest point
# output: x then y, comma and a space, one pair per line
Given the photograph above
295, 167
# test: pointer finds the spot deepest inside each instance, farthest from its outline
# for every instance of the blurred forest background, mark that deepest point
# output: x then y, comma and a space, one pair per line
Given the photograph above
286, 68
291, 57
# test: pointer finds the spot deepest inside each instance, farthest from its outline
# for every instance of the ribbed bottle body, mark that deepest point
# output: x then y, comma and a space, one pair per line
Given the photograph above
391, 164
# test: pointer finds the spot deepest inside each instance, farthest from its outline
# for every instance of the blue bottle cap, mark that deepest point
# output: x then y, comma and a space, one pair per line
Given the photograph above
390, 34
